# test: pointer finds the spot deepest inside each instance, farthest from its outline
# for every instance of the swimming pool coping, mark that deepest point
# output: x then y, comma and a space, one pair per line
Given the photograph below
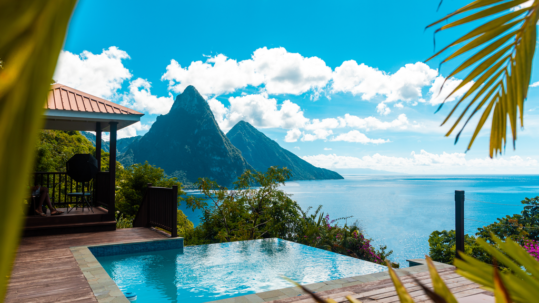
104, 288
290, 292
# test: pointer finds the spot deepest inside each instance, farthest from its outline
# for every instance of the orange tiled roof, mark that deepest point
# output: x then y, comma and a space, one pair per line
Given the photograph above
63, 97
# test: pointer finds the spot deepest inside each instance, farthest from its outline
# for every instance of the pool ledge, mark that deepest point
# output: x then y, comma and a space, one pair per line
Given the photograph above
104, 288
290, 292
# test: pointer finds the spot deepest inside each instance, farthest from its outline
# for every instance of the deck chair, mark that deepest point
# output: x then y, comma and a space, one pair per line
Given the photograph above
83, 197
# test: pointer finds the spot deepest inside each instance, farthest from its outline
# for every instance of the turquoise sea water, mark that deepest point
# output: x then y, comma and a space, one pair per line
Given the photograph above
219, 271
401, 211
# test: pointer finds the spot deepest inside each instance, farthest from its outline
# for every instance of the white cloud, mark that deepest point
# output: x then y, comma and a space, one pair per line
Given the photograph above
327, 148
535, 84
318, 134
281, 72
130, 131
358, 137
141, 98
372, 123
101, 75
438, 97
258, 110
398, 105
425, 162
297, 147
382, 109
404, 85
292, 135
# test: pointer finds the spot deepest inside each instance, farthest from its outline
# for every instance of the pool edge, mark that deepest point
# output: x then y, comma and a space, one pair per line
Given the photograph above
105, 290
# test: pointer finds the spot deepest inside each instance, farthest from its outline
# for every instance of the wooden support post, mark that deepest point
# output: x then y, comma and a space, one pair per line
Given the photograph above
98, 144
459, 222
112, 170
148, 206
174, 232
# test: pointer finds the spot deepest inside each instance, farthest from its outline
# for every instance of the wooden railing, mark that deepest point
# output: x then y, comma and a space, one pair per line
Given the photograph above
159, 208
60, 185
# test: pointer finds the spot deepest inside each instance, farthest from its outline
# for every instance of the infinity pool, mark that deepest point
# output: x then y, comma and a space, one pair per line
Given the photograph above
218, 271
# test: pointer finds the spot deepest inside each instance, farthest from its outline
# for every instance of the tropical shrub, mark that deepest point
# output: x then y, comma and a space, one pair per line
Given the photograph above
319, 231
133, 181
532, 247
520, 228
255, 208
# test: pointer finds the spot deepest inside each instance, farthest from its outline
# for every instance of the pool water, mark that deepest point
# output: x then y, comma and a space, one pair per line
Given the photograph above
218, 271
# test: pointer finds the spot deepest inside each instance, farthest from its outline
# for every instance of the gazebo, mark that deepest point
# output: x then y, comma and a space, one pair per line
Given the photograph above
73, 110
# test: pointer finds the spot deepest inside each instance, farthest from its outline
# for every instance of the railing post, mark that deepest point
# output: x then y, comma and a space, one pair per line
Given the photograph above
174, 231
459, 222
149, 206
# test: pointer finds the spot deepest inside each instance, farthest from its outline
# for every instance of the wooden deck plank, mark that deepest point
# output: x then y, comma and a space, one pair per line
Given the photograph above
46, 271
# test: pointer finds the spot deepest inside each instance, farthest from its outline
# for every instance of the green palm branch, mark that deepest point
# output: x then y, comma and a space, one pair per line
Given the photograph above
498, 55
33, 33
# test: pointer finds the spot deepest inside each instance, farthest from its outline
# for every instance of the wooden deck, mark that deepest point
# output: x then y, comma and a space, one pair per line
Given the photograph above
45, 270
383, 291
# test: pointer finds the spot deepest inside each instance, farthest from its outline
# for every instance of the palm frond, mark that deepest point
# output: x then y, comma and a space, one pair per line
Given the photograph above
499, 56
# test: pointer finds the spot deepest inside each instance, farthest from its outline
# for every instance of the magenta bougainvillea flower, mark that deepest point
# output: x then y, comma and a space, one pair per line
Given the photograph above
532, 247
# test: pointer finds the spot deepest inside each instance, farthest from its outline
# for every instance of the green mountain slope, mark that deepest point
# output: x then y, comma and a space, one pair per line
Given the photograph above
187, 143
262, 152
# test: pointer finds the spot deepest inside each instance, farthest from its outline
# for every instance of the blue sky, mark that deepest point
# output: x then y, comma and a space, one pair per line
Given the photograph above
340, 83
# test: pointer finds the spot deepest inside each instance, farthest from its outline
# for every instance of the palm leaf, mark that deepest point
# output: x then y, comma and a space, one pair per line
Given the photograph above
33, 33
499, 59
520, 284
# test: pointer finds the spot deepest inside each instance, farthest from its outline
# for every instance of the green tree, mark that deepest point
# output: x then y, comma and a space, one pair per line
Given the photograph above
255, 208
498, 56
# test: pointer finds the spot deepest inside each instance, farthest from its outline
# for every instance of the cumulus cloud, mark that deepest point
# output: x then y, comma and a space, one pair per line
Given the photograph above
292, 135
438, 97
425, 162
260, 111
535, 84
358, 137
130, 131
404, 85
317, 134
327, 148
383, 109
141, 98
98, 74
278, 70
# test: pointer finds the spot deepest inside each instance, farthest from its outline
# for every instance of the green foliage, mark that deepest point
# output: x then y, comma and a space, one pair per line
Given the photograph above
518, 227
123, 222
521, 280
497, 56
133, 181
247, 212
33, 33
55, 147
184, 225
319, 231
256, 208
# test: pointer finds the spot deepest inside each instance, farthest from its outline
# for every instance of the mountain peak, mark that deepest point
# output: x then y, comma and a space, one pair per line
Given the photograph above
190, 100
262, 152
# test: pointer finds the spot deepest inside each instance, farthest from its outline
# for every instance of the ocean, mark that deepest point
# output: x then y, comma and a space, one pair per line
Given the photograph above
401, 211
